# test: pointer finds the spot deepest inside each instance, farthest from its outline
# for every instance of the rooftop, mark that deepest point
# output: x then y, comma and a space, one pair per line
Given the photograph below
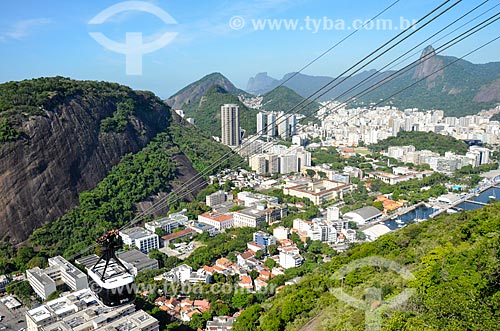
367, 212
376, 231
82, 311
217, 216
136, 233
177, 234
138, 259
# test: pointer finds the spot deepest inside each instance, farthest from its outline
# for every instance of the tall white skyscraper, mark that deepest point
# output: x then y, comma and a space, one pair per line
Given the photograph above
271, 124
261, 123
283, 129
230, 123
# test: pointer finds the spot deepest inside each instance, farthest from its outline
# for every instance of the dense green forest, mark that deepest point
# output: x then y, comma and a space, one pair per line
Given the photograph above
7, 131
205, 154
423, 141
21, 100
206, 113
456, 263
34, 96
284, 99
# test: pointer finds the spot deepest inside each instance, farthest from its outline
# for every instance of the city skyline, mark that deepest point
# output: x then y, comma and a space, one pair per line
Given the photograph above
53, 39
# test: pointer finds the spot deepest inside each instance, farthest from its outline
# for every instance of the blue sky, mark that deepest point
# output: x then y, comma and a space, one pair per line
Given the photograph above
48, 38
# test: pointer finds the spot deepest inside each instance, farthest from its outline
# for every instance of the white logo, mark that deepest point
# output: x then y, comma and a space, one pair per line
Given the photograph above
373, 305
133, 48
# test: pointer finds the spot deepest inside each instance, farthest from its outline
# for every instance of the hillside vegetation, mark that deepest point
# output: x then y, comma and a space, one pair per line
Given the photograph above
456, 263
206, 112
112, 203
284, 99
434, 142
125, 146
60, 137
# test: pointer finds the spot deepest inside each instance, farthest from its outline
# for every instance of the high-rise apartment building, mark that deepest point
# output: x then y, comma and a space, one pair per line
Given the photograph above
230, 123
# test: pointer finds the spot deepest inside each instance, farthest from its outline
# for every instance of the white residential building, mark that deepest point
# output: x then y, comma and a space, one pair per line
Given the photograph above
332, 213
288, 163
217, 220
290, 258
230, 125
251, 199
44, 282
140, 238
82, 310
261, 123
4, 280
281, 233
166, 224
216, 198
184, 273
220, 323
258, 163
323, 231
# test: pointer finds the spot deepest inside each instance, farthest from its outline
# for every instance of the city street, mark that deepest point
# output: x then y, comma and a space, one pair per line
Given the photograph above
12, 319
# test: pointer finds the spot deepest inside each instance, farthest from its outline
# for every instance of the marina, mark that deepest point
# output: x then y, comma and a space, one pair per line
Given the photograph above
475, 199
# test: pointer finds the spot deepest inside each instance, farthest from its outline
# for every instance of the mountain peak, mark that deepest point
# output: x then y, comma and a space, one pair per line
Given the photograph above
429, 66
428, 52
261, 83
194, 91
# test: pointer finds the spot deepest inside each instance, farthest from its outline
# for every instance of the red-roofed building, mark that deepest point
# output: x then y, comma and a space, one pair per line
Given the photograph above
217, 220
346, 151
202, 305
223, 263
218, 269
254, 247
265, 275
169, 238
245, 282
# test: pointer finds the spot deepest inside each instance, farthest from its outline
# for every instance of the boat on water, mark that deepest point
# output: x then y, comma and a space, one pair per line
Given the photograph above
399, 221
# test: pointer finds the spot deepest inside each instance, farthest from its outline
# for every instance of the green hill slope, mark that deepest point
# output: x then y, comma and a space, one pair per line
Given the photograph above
192, 93
434, 142
456, 264
206, 112
284, 99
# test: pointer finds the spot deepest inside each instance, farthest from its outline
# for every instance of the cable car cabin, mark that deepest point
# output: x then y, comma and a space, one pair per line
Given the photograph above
112, 283
108, 277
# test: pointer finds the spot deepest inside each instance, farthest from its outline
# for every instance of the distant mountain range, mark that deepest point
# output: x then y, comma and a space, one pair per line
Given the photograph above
459, 89
202, 100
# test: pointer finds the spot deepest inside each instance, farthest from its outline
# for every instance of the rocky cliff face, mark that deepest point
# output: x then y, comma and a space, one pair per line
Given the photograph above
63, 152
429, 65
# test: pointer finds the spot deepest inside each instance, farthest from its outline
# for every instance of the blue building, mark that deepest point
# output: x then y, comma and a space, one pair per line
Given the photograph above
264, 239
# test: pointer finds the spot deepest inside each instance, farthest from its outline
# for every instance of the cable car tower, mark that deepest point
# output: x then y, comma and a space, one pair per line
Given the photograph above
112, 281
